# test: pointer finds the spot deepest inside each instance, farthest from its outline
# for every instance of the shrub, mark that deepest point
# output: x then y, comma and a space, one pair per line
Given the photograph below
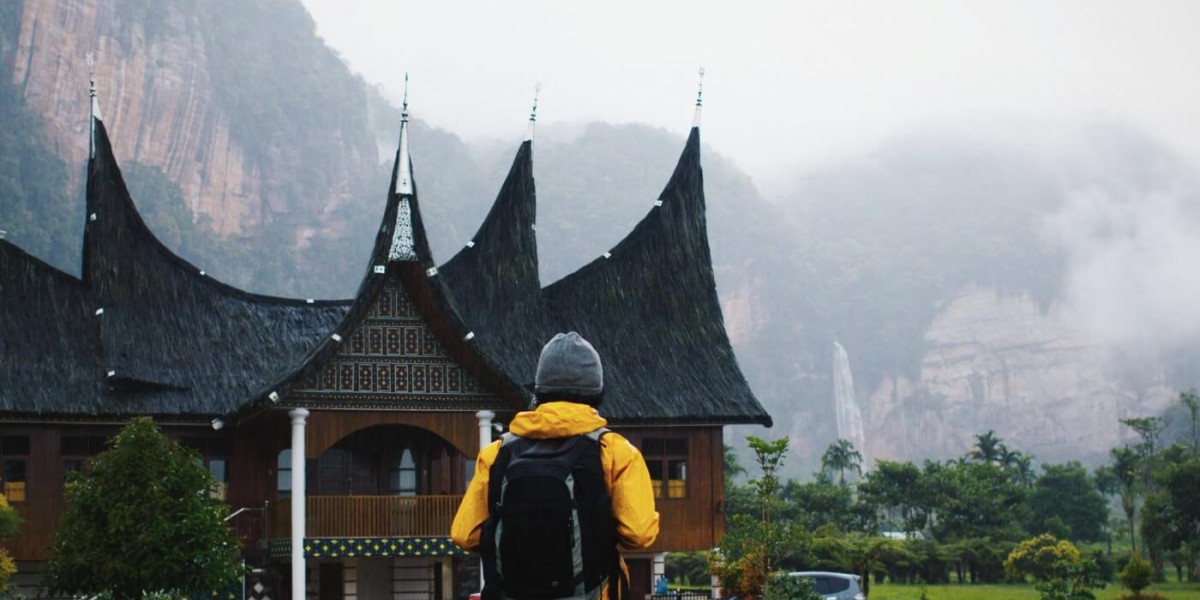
1044, 557
10, 522
1136, 575
786, 587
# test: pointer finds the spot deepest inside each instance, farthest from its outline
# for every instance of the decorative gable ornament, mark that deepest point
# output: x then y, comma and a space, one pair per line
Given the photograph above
402, 235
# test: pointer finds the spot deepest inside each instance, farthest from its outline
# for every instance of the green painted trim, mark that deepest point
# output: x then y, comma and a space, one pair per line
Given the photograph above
368, 547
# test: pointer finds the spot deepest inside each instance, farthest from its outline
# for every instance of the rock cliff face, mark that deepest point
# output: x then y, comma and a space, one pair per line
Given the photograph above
1001, 362
163, 108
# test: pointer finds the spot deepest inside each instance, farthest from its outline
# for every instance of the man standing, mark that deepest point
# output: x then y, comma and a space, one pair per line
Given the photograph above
554, 500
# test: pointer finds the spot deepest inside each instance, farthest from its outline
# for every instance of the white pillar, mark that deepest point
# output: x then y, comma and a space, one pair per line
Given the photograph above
485, 427
485, 437
299, 591
658, 568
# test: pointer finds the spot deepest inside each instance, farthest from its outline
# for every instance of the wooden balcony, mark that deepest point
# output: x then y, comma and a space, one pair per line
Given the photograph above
368, 516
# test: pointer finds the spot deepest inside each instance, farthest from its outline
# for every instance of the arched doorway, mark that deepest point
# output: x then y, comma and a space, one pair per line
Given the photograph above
389, 460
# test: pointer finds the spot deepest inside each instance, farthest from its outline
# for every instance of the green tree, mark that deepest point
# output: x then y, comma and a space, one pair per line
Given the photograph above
142, 518
840, 457
815, 504
1022, 470
1191, 402
1171, 512
1136, 575
1147, 427
1066, 492
744, 559
988, 448
769, 456
896, 490
981, 511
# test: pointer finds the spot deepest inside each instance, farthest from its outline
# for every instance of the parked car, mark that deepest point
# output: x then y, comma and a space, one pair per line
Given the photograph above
833, 586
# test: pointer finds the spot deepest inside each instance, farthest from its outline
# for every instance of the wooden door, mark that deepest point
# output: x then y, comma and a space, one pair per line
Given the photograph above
330, 585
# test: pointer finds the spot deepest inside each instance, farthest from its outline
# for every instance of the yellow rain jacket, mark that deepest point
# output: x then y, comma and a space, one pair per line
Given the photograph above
624, 469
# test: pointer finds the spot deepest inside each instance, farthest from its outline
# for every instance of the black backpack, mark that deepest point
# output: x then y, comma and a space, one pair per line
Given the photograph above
550, 530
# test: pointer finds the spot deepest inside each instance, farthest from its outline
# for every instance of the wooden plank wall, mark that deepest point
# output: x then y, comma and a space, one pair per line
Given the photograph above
696, 522
46, 475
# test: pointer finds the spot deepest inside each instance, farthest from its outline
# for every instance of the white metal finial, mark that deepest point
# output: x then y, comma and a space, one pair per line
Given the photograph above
404, 104
402, 230
537, 90
699, 99
90, 57
404, 170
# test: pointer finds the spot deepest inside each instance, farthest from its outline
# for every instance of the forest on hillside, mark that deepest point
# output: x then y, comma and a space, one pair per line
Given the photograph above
865, 252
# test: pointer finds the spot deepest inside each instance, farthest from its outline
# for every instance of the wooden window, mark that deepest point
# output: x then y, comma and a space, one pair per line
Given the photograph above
77, 449
402, 477
667, 460
283, 470
214, 456
14, 456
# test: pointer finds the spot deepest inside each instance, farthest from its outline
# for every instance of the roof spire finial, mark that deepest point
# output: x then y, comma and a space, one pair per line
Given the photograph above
537, 90
699, 99
404, 105
404, 168
90, 57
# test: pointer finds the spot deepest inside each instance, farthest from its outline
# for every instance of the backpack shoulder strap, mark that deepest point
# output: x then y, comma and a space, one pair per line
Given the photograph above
597, 434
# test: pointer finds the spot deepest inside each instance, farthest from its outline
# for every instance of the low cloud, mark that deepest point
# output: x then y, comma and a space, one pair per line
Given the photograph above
1133, 265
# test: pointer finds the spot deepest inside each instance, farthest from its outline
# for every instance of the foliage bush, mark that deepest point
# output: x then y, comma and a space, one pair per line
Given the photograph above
1043, 557
786, 587
10, 522
1061, 571
142, 516
1136, 575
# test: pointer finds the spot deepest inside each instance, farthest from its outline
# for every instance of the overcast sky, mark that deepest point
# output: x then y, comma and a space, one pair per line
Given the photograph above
788, 85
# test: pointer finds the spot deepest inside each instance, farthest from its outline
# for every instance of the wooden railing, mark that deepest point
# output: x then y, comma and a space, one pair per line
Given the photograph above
368, 516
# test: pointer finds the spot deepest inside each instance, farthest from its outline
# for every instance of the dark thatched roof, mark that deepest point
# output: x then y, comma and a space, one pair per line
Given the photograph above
169, 340
414, 270
145, 332
49, 338
498, 269
649, 306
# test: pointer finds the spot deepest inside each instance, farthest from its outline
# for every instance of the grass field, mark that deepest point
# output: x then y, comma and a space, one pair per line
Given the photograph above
888, 591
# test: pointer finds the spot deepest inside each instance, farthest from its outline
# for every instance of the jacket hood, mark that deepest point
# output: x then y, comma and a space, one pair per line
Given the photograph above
556, 419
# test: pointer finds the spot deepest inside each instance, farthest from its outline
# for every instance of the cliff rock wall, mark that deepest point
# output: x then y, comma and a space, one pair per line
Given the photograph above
167, 107
1002, 362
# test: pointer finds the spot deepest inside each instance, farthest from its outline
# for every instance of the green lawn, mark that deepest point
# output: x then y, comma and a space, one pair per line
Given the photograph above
890, 591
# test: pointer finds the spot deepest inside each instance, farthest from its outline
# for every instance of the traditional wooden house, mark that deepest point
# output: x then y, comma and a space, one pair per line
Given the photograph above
345, 432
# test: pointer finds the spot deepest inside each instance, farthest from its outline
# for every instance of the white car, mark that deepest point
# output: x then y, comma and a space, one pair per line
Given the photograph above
833, 586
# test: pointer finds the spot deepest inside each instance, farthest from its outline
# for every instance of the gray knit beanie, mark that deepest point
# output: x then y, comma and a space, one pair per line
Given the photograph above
569, 366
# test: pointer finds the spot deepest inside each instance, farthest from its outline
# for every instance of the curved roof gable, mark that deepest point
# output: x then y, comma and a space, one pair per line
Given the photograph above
649, 306
50, 357
401, 274
176, 339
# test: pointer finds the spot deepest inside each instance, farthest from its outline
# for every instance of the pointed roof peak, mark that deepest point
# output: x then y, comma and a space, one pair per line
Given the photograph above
403, 182
537, 90
699, 99
95, 103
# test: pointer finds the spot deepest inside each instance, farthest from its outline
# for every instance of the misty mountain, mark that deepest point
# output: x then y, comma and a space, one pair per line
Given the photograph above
1018, 281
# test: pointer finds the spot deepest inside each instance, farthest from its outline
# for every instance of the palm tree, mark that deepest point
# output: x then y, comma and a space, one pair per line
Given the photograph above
1022, 470
988, 447
841, 457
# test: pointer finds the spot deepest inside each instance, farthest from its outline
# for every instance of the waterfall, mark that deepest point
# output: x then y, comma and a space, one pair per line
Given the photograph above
849, 416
